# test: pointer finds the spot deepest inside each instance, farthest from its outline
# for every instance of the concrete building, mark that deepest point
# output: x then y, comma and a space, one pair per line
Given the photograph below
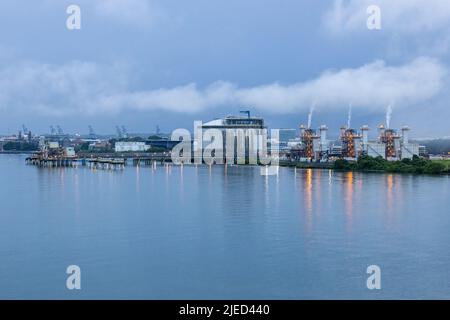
69, 152
235, 122
237, 128
373, 149
324, 144
423, 152
53, 145
365, 139
335, 152
99, 145
408, 149
131, 146
376, 149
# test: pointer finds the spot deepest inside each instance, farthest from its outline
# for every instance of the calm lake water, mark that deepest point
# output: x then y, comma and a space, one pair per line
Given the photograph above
201, 233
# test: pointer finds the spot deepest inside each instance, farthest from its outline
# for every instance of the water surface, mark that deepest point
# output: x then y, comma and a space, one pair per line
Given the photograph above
201, 233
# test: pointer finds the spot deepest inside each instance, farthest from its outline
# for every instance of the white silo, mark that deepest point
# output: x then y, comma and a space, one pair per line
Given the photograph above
405, 134
323, 139
365, 138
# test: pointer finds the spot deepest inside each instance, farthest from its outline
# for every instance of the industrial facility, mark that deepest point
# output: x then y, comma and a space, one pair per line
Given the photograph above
240, 142
390, 144
313, 144
232, 129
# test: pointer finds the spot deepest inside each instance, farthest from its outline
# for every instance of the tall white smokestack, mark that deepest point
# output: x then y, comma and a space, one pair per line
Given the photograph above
365, 138
365, 134
381, 130
405, 134
302, 130
323, 136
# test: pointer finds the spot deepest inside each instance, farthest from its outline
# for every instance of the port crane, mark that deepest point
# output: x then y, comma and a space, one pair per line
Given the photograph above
119, 132
91, 132
124, 132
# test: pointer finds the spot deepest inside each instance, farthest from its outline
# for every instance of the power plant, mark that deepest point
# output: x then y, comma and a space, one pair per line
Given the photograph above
350, 142
309, 140
391, 144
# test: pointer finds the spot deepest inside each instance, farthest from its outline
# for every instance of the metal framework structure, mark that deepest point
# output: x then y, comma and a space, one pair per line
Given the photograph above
348, 138
388, 138
307, 138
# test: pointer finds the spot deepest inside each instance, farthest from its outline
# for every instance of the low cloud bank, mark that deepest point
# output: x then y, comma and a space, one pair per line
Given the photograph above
82, 87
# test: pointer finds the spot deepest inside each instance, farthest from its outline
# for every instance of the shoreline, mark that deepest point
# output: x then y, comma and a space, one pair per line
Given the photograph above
331, 166
17, 152
282, 163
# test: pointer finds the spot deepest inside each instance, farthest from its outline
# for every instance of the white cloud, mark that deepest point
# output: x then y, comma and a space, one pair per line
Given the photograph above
183, 99
406, 16
371, 86
133, 12
55, 89
88, 88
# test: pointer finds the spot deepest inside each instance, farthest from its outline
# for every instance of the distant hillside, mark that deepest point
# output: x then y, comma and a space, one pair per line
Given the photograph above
436, 146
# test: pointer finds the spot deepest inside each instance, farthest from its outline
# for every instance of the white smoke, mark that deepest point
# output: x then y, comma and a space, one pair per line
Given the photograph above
310, 114
349, 117
388, 115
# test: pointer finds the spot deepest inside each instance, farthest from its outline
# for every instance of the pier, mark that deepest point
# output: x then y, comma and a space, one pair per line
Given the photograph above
101, 163
97, 163
106, 164
150, 161
52, 162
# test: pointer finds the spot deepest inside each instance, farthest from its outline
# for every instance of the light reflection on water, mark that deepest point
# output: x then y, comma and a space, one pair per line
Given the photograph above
221, 232
349, 183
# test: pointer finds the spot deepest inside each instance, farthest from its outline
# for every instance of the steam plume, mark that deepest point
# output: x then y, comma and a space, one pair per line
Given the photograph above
388, 116
349, 117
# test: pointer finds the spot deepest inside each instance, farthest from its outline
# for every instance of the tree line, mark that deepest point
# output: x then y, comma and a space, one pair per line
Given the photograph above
415, 165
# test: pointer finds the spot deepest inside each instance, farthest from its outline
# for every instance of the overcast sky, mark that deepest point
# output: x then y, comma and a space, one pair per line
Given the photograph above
143, 63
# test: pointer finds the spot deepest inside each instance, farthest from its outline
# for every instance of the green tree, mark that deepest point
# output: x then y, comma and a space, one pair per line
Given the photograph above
433, 167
